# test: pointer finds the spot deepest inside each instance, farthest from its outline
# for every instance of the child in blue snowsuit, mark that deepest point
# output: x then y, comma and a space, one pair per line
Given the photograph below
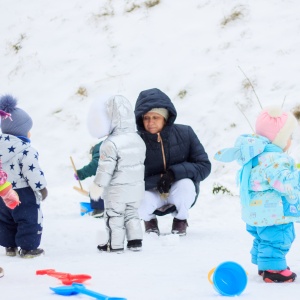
21, 227
269, 191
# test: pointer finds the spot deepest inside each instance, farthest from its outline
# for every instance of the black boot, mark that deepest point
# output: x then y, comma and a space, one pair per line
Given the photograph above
31, 253
107, 248
11, 251
134, 245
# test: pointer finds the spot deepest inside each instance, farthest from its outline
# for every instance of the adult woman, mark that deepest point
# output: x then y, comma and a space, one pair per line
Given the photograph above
175, 161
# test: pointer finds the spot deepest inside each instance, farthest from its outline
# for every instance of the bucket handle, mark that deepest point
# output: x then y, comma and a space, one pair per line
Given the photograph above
210, 274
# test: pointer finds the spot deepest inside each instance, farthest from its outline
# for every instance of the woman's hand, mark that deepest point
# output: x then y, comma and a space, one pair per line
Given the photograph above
165, 182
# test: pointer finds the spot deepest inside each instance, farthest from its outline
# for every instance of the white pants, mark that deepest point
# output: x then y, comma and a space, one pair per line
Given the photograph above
182, 194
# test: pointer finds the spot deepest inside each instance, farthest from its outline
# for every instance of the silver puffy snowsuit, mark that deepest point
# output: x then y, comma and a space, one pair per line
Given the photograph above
121, 173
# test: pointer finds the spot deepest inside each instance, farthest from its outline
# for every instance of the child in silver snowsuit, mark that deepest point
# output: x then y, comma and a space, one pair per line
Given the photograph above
120, 175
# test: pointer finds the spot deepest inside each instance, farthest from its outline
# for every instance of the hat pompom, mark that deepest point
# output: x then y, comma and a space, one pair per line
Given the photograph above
8, 103
274, 111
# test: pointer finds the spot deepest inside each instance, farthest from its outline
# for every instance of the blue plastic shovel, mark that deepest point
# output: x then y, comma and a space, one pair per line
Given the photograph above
77, 288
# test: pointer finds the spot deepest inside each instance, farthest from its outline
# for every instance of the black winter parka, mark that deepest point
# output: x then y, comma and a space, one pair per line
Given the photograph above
185, 156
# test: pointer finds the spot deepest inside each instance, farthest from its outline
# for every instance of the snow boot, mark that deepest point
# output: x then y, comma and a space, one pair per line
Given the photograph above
31, 253
134, 245
107, 248
179, 226
151, 226
97, 213
261, 273
279, 276
1, 272
11, 251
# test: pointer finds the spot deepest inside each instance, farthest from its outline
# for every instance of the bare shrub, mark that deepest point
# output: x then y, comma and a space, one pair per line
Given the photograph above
296, 112
82, 91
151, 3
218, 188
132, 8
18, 45
236, 14
182, 94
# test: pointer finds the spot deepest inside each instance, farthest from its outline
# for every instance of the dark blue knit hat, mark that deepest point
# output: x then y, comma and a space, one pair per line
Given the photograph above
21, 122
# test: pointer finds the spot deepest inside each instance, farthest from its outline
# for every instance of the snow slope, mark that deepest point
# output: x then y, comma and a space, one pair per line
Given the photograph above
57, 56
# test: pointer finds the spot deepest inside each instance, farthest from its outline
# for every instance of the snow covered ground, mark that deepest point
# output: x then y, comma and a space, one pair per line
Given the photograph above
57, 56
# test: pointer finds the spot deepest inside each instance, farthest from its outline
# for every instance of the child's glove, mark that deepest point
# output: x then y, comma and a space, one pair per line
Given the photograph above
165, 182
96, 191
76, 176
9, 196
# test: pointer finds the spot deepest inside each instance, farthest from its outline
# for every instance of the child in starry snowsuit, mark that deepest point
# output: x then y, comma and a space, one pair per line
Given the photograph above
269, 190
22, 226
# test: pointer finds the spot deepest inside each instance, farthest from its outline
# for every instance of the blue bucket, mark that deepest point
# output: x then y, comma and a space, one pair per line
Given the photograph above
229, 279
85, 208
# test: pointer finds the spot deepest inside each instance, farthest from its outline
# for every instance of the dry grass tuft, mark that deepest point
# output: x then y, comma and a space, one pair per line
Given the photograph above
296, 112
236, 14
151, 3
82, 91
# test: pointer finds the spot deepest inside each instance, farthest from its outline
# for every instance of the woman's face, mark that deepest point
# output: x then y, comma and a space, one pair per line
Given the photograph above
153, 122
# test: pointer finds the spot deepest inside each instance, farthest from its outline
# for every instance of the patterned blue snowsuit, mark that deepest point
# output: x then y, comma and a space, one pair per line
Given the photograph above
270, 197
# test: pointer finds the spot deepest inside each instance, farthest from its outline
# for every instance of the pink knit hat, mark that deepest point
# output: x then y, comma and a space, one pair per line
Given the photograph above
276, 125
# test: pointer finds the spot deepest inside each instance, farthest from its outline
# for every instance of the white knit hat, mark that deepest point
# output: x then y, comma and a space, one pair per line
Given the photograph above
161, 111
276, 125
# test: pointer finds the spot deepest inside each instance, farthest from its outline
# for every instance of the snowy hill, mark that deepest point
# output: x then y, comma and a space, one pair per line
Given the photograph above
56, 57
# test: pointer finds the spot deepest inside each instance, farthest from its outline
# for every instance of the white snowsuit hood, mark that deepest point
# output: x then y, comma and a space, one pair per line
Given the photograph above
110, 114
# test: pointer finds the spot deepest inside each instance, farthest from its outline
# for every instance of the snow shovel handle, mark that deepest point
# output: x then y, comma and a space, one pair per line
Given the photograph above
75, 171
81, 289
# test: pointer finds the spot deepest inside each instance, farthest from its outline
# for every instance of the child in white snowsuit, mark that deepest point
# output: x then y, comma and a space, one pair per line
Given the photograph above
120, 175
269, 191
21, 227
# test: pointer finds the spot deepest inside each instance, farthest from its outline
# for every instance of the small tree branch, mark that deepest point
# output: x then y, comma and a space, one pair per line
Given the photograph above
283, 101
244, 116
251, 86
